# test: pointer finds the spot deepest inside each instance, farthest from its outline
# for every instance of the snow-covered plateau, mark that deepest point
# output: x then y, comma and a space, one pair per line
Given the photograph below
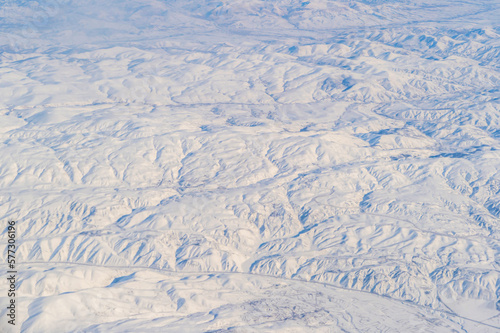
250, 165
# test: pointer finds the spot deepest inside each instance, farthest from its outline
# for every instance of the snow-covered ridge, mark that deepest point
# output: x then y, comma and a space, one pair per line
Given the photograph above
231, 145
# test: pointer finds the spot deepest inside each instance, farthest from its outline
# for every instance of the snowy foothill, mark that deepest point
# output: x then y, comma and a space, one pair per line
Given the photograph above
251, 166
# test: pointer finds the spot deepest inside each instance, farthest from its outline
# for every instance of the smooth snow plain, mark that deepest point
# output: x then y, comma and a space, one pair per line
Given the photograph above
252, 166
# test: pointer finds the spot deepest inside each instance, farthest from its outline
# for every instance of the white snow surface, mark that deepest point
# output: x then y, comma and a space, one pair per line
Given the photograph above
251, 166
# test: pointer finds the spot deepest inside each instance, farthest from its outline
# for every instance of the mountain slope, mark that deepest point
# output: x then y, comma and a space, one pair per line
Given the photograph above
259, 166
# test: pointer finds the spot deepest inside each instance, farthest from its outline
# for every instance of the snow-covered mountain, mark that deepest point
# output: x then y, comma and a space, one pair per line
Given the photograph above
251, 166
